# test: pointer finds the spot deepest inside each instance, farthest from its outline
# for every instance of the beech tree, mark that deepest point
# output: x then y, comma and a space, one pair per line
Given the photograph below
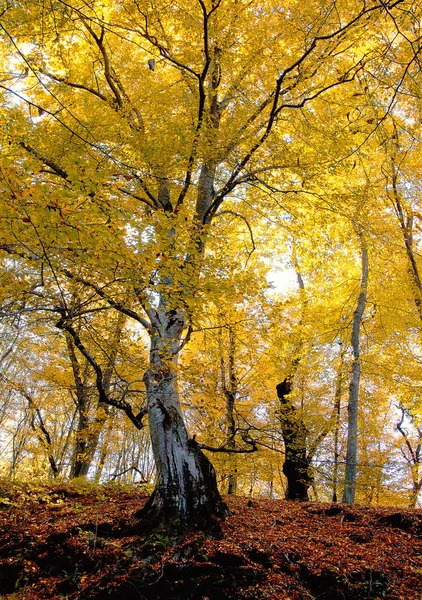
352, 422
131, 129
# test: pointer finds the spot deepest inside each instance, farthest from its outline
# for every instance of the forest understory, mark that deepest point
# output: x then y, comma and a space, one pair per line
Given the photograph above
66, 541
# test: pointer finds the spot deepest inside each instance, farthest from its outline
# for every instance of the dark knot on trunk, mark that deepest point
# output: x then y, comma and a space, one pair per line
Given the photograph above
284, 388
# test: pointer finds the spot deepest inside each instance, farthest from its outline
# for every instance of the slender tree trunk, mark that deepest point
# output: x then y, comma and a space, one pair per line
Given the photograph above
67, 440
45, 440
82, 407
337, 407
230, 392
104, 450
41, 432
271, 486
353, 407
89, 429
19, 442
102, 411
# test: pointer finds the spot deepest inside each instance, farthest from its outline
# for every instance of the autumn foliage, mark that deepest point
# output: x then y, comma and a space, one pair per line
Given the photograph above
210, 237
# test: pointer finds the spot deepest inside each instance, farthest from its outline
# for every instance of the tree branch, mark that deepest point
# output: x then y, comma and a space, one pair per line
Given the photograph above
64, 325
235, 214
78, 86
116, 305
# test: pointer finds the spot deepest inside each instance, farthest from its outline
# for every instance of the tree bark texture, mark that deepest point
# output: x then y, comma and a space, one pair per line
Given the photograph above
186, 492
350, 479
79, 465
296, 465
296, 462
336, 414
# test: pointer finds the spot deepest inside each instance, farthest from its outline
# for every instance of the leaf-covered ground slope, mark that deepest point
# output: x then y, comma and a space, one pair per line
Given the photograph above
66, 543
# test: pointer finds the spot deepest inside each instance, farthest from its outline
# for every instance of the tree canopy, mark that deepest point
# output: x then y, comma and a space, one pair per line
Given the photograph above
158, 161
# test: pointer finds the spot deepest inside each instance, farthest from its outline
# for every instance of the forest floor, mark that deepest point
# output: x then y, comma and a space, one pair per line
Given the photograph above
70, 542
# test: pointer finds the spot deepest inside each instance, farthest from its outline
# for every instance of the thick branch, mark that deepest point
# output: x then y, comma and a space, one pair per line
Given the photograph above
121, 97
46, 161
73, 84
225, 449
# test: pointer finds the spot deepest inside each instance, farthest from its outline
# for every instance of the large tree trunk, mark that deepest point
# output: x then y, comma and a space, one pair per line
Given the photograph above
350, 479
186, 492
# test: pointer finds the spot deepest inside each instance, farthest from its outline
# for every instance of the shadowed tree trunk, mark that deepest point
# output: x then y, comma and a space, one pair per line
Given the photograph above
294, 431
299, 450
82, 405
229, 384
296, 465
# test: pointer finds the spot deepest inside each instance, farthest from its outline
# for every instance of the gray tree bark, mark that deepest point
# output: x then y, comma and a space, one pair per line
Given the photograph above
336, 415
350, 479
186, 493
